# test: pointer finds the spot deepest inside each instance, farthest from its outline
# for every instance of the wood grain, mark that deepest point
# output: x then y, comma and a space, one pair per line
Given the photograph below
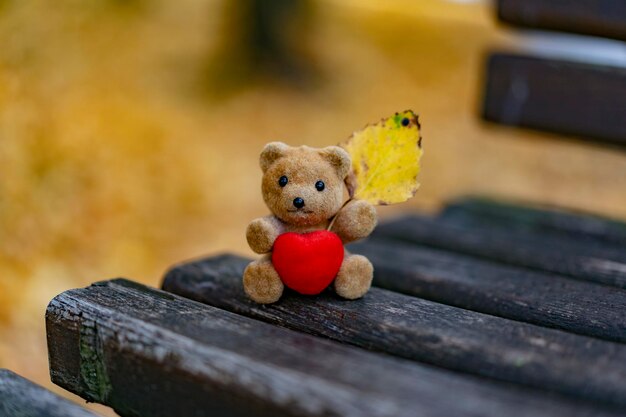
484, 212
425, 331
584, 100
590, 261
606, 18
20, 397
516, 293
149, 353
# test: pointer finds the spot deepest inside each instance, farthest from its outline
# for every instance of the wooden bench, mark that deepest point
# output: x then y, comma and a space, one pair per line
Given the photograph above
469, 316
21, 398
574, 95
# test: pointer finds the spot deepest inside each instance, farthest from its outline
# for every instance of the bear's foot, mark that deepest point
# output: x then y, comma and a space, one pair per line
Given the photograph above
355, 277
261, 282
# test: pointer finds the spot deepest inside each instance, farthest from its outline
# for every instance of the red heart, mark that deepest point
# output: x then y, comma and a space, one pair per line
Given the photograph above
308, 262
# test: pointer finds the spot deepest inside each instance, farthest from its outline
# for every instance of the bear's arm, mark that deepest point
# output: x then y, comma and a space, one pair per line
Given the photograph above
355, 221
262, 233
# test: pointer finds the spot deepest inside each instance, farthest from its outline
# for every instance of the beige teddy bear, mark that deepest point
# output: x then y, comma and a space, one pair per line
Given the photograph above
304, 189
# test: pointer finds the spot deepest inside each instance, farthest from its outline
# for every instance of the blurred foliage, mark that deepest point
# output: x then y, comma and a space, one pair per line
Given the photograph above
113, 163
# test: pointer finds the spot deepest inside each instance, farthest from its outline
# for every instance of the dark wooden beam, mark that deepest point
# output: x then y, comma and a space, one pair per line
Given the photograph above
590, 261
425, 331
20, 397
516, 293
486, 212
584, 100
605, 18
149, 353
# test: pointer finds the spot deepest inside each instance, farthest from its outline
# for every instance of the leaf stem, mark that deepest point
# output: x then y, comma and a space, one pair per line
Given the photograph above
332, 222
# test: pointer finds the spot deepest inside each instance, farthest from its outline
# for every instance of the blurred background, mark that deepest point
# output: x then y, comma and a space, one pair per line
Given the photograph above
130, 129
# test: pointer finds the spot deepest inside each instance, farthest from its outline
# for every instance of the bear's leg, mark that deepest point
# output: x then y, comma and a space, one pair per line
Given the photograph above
261, 281
355, 277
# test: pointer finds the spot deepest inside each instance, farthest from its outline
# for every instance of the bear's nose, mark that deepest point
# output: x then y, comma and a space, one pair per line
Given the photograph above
298, 202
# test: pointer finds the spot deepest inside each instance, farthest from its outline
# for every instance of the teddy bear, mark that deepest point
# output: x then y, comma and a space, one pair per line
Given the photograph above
304, 188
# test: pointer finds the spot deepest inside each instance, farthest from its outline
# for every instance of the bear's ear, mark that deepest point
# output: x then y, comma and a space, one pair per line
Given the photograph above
338, 158
271, 152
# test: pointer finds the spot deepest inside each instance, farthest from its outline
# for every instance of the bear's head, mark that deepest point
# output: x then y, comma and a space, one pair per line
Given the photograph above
304, 186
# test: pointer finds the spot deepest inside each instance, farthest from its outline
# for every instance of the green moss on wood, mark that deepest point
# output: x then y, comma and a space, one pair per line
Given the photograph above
92, 367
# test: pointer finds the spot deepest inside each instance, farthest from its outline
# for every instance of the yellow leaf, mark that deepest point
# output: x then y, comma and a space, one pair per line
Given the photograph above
385, 160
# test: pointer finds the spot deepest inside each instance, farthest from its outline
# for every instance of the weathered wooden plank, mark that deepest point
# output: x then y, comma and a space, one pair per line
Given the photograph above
588, 261
606, 18
578, 99
150, 353
20, 397
425, 331
516, 293
484, 212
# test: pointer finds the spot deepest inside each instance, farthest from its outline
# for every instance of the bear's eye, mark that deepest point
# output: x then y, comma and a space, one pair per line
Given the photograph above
320, 185
282, 181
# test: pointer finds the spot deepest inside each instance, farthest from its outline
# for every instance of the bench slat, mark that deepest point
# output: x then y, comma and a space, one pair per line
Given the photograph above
577, 99
516, 293
606, 18
150, 353
21, 397
425, 331
483, 212
588, 261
